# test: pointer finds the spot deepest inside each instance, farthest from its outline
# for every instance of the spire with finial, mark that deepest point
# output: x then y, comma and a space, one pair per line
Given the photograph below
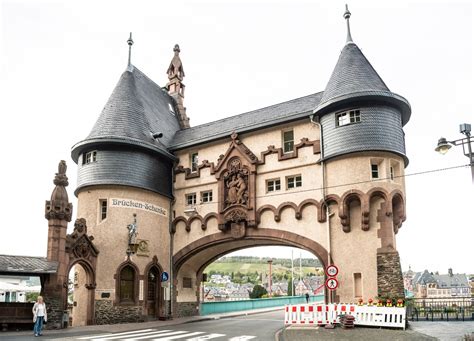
347, 16
130, 43
176, 86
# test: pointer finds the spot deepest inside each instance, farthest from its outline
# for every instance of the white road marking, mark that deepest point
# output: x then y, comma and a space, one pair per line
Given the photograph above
243, 338
171, 333
206, 337
106, 335
180, 336
138, 334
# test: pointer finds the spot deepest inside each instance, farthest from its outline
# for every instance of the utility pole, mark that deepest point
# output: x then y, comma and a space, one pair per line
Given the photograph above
270, 279
300, 268
292, 275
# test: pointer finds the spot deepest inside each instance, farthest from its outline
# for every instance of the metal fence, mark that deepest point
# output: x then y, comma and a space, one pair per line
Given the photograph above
207, 308
431, 309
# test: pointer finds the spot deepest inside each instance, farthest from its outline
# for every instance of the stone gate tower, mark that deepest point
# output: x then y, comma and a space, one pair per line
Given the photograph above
124, 192
361, 124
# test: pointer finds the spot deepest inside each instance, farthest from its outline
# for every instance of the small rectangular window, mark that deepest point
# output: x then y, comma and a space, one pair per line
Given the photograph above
206, 196
103, 209
273, 185
347, 117
90, 157
357, 284
194, 160
392, 174
375, 171
191, 199
288, 141
187, 282
294, 181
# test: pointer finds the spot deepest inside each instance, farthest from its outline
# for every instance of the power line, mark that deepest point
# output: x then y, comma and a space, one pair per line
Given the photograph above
351, 183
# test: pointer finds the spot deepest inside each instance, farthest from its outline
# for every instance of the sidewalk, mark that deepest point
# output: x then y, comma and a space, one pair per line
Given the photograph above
117, 328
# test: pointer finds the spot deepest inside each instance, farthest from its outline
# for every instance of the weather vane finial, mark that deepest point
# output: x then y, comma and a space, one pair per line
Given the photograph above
130, 43
347, 15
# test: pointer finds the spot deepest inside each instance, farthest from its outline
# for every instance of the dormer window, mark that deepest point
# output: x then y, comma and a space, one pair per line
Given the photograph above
347, 117
90, 157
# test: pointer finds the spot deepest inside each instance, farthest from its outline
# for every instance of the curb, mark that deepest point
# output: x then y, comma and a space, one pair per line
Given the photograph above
242, 313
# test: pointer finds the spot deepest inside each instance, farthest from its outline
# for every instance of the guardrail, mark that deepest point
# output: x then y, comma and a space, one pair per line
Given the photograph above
207, 308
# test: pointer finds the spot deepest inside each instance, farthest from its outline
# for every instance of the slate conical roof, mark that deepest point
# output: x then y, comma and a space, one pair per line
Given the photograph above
136, 110
354, 78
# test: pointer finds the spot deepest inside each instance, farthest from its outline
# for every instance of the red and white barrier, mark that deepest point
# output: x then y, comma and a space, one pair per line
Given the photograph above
321, 314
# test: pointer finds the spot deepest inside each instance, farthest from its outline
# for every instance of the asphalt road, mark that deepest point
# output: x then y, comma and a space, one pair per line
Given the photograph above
252, 327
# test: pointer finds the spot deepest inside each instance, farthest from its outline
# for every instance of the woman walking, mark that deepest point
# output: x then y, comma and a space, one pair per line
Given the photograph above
39, 315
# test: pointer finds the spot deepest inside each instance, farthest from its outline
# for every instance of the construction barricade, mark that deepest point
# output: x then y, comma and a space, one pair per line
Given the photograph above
322, 314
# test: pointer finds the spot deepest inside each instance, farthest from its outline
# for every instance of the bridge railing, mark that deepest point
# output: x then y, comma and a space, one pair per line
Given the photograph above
430, 309
207, 308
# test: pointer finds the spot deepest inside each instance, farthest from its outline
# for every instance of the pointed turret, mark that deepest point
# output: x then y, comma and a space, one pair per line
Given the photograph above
176, 86
357, 88
131, 136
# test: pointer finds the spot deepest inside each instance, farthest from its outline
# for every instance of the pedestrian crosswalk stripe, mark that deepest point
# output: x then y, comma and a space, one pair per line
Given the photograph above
180, 336
157, 334
139, 335
165, 334
114, 334
242, 338
206, 337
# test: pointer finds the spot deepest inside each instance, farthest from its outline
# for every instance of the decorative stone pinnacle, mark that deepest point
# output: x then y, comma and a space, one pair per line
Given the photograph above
347, 16
61, 179
176, 49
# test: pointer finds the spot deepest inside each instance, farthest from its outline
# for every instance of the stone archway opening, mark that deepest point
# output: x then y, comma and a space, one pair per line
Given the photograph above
80, 295
191, 261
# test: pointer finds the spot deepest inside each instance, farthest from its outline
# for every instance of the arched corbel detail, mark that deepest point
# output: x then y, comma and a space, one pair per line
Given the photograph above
263, 209
330, 199
176, 221
398, 208
308, 202
192, 219
344, 209
380, 192
284, 205
206, 219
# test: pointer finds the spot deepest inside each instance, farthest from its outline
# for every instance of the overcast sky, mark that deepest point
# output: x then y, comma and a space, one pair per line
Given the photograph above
61, 60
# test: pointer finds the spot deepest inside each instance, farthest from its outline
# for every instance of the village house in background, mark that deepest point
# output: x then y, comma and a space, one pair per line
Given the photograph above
431, 285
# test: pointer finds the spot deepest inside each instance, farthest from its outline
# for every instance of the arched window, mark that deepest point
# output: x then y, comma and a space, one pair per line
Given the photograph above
127, 284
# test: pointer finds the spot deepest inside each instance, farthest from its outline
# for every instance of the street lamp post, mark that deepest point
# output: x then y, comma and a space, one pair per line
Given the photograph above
270, 261
444, 145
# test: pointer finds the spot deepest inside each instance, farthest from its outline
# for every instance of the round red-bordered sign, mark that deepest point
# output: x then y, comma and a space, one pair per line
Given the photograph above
332, 271
332, 283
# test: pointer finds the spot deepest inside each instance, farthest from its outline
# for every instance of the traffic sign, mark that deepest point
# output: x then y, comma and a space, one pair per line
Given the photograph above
332, 271
164, 276
332, 283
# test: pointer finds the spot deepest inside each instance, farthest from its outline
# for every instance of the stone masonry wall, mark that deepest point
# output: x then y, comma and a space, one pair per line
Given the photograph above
107, 313
186, 309
55, 312
389, 275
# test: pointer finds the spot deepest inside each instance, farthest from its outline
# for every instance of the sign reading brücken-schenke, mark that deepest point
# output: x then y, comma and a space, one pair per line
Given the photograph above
145, 206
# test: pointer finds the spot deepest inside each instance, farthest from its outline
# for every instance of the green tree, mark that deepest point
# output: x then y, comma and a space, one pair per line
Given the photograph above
290, 288
258, 291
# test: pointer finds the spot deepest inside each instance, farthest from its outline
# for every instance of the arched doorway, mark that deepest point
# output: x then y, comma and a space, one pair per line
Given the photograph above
80, 295
154, 295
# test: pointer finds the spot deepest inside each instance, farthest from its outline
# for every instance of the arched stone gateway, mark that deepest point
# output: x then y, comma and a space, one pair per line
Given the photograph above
199, 254
323, 172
